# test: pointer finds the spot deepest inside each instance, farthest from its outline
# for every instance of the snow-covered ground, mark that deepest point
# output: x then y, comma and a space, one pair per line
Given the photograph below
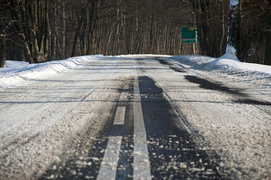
236, 126
49, 103
229, 66
18, 73
44, 117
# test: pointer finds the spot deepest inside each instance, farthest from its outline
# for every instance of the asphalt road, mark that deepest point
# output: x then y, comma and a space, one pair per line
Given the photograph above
134, 118
144, 138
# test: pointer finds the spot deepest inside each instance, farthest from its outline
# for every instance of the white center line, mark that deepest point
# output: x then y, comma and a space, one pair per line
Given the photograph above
109, 164
141, 154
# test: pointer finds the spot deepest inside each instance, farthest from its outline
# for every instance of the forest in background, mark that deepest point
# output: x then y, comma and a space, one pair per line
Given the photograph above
249, 32
39, 30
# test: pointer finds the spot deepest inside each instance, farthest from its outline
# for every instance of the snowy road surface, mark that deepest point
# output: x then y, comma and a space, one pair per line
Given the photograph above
133, 118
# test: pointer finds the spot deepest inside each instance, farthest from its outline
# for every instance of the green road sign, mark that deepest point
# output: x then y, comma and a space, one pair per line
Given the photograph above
189, 35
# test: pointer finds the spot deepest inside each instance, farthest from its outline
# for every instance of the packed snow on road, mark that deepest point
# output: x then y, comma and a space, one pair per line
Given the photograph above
45, 107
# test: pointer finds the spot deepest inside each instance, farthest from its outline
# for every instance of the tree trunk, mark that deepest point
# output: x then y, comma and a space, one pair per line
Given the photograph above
222, 27
232, 40
28, 50
42, 32
64, 30
76, 36
4, 51
34, 28
267, 58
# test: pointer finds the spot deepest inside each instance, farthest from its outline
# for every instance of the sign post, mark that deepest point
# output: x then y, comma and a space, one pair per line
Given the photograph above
190, 35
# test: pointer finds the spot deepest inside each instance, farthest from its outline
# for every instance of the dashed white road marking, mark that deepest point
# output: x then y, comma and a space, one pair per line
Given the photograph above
108, 169
141, 154
120, 115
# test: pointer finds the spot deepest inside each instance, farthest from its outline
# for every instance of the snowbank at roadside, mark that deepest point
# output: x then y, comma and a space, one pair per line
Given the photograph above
18, 73
143, 55
230, 66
